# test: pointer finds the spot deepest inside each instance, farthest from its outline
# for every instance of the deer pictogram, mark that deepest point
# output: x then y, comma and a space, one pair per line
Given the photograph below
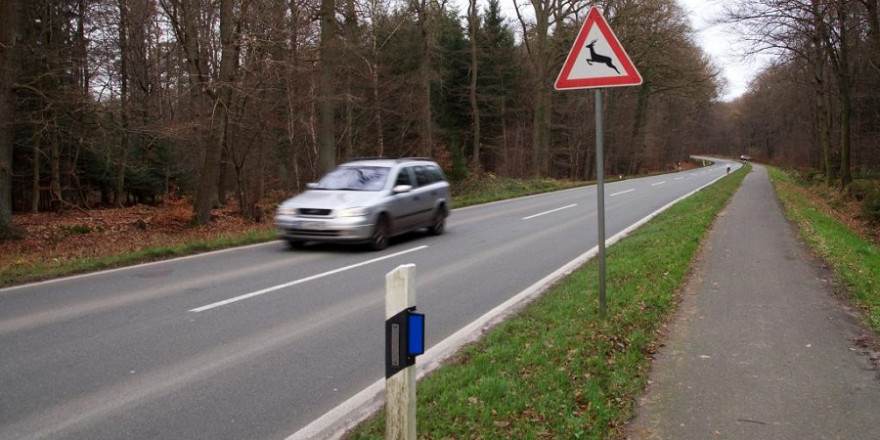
601, 59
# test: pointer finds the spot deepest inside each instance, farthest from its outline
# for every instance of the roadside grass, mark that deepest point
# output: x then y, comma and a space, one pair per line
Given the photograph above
854, 260
492, 188
559, 369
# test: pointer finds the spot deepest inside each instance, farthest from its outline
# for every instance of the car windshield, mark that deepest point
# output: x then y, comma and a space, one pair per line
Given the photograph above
355, 179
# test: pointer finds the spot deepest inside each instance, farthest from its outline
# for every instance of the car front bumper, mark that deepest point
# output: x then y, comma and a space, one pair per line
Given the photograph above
342, 229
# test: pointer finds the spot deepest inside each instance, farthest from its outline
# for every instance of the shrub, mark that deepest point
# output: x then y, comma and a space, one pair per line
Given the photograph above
871, 207
867, 191
75, 229
863, 188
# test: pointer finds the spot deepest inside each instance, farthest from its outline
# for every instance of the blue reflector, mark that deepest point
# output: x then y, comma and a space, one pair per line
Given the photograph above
416, 334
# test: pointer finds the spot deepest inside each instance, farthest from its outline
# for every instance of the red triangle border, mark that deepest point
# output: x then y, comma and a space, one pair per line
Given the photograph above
631, 77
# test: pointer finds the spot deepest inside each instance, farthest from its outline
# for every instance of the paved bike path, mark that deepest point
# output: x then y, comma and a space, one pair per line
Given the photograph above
759, 348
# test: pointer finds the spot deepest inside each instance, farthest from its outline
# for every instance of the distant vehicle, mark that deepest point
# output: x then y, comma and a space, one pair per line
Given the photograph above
745, 157
368, 201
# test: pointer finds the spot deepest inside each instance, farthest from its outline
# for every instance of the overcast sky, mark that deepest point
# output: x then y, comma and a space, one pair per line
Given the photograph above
720, 44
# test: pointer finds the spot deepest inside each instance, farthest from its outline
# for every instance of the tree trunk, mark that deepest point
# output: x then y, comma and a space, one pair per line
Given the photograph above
292, 86
206, 192
821, 94
873, 19
223, 170
377, 112
55, 171
348, 54
538, 56
216, 135
844, 84
845, 135
186, 27
35, 181
11, 12
473, 26
638, 131
211, 181
124, 101
426, 119
327, 88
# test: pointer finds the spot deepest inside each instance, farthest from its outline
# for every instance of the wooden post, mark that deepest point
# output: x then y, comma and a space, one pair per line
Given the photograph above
400, 389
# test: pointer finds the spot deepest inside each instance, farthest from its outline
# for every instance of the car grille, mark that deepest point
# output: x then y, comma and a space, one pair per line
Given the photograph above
314, 212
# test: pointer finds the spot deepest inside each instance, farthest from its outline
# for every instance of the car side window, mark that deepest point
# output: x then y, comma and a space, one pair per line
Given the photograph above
403, 178
422, 176
436, 174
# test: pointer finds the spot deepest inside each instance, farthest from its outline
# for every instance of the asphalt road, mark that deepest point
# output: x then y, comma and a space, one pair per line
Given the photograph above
257, 342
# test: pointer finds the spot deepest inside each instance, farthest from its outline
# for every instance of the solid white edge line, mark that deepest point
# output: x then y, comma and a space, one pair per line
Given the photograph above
549, 212
337, 422
301, 280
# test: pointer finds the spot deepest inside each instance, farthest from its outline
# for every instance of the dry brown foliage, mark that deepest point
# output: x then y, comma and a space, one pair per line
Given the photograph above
840, 207
72, 234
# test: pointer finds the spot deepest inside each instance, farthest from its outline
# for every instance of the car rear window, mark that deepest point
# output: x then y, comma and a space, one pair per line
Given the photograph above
355, 179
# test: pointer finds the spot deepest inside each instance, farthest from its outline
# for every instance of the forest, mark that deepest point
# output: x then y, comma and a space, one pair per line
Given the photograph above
119, 102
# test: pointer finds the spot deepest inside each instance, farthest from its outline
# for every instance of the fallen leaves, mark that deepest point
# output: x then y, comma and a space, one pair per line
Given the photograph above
54, 238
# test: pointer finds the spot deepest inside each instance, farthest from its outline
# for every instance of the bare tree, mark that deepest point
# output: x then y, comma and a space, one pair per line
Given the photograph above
329, 55
11, 17
543, 60
211, 91
818, 32
872, 17
421, 8
473, 31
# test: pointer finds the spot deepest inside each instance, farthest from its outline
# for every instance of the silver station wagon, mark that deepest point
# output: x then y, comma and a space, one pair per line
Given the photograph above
368, 201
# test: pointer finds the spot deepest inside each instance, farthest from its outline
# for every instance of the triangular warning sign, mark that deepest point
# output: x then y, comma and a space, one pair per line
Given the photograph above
597, 59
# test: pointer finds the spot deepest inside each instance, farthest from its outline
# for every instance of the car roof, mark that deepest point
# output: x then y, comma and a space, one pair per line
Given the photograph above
385, 162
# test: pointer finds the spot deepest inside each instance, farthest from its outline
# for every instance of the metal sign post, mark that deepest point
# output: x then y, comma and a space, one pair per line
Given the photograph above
607, 65
600, 199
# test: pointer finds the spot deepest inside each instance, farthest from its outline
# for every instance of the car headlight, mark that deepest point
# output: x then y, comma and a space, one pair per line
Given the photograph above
282, 210
354, 212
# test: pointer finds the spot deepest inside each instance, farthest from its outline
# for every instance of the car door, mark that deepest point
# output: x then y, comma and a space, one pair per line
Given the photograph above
402, 206
424, 195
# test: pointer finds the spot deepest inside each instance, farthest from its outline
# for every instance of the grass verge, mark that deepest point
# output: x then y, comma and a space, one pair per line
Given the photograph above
492, 188
559, 369
854, 260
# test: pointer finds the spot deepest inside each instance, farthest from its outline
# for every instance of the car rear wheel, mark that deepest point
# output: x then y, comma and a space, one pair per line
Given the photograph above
381, 234
296, 244
438, 225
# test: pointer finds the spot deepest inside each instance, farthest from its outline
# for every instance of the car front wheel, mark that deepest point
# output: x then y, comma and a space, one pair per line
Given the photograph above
381, 235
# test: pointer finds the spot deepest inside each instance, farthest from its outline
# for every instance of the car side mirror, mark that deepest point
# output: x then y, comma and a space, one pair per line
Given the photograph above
401, 189
312, 185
